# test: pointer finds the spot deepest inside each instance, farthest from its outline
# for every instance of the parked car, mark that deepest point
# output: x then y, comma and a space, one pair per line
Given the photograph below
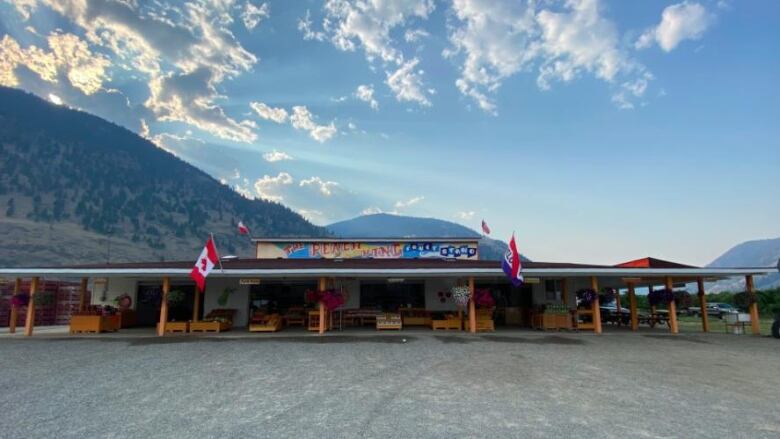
714, 309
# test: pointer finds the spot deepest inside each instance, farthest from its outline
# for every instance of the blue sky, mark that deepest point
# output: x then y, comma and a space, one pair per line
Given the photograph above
599, 131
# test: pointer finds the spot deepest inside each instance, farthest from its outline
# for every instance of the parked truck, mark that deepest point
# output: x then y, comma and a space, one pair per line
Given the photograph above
715, 309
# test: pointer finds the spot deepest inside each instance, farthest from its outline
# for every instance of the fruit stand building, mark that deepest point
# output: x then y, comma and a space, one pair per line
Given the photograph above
394, 275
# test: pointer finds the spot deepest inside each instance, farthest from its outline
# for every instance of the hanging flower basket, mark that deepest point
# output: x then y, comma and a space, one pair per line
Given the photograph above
483, 298
660, 297
332, 299
744, 299
461, 295
586, 296
607, 296
683, 299
19, 300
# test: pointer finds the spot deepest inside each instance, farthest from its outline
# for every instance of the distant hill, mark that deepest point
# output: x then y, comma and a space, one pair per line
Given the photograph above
69, 180
383, 225
758, 253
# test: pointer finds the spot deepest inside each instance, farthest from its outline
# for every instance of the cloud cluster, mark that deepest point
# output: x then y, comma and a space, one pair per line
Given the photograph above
267, 187
353, 24
276, 156
300, 118
683, 21
366, 94
252, 15
499, 38
403, 204
186, 52
324, 187
68, 56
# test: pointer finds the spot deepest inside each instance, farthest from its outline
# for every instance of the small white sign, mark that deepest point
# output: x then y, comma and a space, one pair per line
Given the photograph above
253, 281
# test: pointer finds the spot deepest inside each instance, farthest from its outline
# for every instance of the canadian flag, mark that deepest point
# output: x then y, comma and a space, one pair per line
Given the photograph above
206, 261
242, 229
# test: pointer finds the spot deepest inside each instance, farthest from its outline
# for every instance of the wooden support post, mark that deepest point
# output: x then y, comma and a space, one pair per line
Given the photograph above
83, 294
753, 306
632, 305
705, 318
29, 324
565, 291
652, 307
472, 308
322, 286
672, 308
196, 306
166, 288
595, 306
14, 310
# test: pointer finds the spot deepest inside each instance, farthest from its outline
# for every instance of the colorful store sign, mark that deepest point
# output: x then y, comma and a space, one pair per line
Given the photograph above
367, 250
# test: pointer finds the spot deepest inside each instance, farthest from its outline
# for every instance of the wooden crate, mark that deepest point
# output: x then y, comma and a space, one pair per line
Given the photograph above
94, 324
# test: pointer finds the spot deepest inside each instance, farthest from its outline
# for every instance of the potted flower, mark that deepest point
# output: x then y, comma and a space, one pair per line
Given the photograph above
331, 299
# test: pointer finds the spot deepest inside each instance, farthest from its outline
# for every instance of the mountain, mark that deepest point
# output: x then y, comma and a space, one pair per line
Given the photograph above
74, 188
758, 253
383, 225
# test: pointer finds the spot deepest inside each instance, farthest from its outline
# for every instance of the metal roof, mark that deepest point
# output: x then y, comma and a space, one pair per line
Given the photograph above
304, 268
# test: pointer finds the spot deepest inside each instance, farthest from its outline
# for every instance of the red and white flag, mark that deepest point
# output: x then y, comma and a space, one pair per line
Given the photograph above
485, 228
206, 262
242, 229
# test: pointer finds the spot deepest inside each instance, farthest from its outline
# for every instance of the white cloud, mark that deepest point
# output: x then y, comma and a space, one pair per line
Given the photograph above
305, 26
465, 215
407, 84
267, 187
252, 15
69, 56
324, 187
278, 115
371, 211
276, 156
408, 203
56, 100
302, 119
497, 39
415, 35
351, 24
366, 94
683, 21
494, 38
186, 52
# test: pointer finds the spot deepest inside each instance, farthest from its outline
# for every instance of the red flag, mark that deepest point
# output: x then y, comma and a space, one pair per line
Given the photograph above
242, 229
206, 261
485, 228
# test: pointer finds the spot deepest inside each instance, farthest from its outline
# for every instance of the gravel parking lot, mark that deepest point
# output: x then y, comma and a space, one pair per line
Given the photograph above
364, 384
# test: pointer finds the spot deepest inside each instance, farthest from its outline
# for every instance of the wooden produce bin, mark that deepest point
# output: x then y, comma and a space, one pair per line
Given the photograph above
94, 323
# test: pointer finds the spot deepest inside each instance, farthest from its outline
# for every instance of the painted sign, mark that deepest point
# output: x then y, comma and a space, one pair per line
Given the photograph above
366, 250
249, 281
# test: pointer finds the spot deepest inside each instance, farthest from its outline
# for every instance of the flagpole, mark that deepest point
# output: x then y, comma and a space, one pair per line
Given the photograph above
219, 258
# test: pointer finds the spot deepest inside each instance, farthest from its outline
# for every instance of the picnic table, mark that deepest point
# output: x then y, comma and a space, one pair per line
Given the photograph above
653, 319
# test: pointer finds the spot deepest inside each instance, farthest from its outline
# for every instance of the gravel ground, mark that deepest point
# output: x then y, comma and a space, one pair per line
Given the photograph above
364, 384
